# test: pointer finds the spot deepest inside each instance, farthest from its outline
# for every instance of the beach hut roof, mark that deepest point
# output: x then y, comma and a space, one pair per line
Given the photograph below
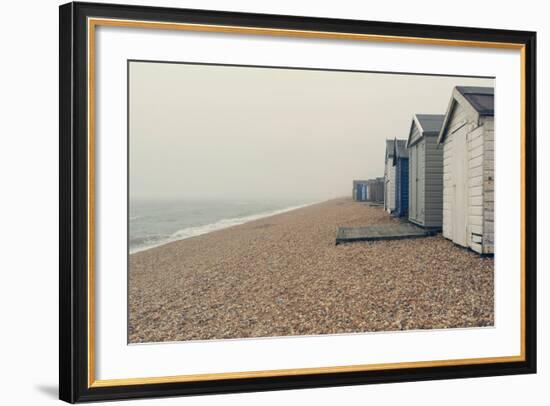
430, 123
400, 150
389, 149
427, 124
481, 100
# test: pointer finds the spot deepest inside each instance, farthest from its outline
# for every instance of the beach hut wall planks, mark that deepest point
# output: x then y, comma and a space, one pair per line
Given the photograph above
401, 166
370, 190
375, 190
378, 189
467, 136
389, 178
359, 190
425, 171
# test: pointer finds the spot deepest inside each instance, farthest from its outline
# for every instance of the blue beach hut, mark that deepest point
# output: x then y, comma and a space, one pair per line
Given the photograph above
360, 190
401, 164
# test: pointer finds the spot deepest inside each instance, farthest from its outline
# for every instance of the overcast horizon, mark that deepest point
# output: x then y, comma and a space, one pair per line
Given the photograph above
210, 132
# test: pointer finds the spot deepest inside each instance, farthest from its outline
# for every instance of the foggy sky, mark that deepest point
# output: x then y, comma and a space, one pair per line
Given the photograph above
239, 132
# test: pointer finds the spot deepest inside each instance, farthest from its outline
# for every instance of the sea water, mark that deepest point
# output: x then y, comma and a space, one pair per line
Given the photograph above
153, 223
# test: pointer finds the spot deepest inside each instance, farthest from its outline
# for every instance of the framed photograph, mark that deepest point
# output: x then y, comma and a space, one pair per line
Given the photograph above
256, 202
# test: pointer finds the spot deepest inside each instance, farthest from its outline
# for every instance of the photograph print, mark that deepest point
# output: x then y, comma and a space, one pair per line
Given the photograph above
271, 202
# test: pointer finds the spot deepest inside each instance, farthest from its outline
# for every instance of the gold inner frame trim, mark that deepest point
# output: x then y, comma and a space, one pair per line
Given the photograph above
94, 22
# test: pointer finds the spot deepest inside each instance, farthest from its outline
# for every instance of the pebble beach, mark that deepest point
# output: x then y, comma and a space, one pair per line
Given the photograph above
283, 275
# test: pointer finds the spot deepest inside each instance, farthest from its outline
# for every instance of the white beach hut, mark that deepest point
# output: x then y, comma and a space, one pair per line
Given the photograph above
467, 136
389, 178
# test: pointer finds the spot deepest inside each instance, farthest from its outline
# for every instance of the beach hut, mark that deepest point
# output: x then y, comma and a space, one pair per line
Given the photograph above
367, 191
389, 178
425, 171
467, 137
362, 192
359, 193
375, 190
378, 189
401, 165
370, 190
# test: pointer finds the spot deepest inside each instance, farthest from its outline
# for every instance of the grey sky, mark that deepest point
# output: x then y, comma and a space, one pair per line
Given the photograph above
239, 132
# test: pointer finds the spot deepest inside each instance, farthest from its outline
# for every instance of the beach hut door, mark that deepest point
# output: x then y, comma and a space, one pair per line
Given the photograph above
460, 178
414, 181
416, 191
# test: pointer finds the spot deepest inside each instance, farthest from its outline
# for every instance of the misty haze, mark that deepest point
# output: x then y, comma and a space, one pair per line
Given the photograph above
201, 131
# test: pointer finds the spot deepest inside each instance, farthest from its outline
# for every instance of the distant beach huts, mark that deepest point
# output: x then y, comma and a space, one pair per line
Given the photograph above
425, 171
389, 178
401, 166
371, 190
359, 190
467, 137
375, 190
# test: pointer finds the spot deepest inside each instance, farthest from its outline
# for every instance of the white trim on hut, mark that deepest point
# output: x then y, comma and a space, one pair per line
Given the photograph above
467, 136
389, 178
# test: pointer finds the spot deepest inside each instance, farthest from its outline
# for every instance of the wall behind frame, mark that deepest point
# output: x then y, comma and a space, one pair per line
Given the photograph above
29, 190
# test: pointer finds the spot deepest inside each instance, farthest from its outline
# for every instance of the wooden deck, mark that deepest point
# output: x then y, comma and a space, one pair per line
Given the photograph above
381, 232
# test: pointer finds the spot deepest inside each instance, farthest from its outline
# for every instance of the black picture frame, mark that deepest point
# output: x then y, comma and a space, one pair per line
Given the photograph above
73, 255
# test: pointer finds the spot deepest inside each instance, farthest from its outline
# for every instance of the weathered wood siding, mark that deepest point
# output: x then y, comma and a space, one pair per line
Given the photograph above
413, 176
420, 199
479, 135
412, 185
414, 190
489, 186
376, 188
426, 193
389, 187
433, 182
448, 187
474, 230
459, 118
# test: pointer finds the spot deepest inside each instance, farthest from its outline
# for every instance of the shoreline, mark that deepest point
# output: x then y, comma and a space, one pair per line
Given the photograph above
235, 222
